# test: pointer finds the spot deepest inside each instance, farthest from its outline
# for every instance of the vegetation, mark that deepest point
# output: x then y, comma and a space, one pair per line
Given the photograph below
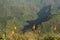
18, 16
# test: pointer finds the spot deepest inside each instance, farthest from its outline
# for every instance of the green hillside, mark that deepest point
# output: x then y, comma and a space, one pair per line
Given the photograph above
24, 13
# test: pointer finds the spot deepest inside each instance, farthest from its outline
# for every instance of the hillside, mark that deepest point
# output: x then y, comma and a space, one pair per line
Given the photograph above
24, 13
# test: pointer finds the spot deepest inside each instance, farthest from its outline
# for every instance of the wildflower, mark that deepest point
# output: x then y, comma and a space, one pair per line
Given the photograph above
54, 28
14, 28
11, 33
33, 27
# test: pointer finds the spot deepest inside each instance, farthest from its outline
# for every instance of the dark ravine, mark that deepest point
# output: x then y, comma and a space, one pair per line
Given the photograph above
43, 15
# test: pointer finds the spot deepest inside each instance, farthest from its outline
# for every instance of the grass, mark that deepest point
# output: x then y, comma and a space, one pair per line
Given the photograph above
30, 35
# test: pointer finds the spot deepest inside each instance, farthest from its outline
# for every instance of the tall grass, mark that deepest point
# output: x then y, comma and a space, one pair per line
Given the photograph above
34, 36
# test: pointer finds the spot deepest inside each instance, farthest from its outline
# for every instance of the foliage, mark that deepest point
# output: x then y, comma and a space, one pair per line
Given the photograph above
18, 12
